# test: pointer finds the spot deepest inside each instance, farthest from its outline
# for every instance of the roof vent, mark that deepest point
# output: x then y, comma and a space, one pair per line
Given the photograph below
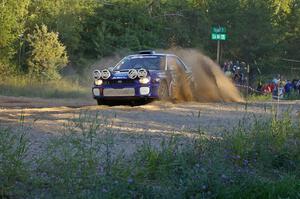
147, 52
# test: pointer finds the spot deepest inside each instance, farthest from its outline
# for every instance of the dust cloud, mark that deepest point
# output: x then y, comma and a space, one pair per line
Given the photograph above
209, 82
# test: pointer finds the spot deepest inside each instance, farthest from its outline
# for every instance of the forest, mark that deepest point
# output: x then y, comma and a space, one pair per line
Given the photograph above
39, 38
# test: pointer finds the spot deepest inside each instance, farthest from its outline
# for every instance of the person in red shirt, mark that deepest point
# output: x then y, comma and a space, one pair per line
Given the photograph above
272, 87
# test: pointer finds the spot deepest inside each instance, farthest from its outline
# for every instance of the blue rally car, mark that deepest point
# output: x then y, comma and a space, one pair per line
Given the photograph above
143, 76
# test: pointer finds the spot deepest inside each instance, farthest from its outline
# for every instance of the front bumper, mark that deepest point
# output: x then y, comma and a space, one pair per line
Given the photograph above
137, 91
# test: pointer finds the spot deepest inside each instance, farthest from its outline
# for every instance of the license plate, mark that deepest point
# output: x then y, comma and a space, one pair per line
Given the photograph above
118, 92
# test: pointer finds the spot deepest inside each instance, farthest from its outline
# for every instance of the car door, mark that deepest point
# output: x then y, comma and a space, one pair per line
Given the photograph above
180, 84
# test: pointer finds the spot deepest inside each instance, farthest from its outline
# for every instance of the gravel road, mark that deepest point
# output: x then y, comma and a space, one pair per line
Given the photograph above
47, 118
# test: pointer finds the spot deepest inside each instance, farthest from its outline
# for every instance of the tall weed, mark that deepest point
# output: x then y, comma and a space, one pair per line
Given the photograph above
14, 170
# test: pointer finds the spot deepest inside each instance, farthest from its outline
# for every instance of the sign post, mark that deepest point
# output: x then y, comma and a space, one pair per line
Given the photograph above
218, 33
218, 51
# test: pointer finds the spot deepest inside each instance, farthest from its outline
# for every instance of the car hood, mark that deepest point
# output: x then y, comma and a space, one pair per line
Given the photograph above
119, 75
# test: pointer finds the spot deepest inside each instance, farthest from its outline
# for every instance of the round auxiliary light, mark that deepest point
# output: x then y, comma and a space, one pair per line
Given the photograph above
97, 74
132, 73
142, 73
105, 74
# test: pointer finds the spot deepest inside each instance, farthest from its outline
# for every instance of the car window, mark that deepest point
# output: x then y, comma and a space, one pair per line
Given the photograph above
149, 62
175, 64
181, 64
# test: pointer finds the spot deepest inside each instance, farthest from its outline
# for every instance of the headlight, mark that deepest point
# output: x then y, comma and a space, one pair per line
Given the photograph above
98, 82
145, 80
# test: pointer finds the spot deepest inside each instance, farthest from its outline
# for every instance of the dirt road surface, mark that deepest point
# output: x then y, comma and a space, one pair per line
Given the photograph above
44, 119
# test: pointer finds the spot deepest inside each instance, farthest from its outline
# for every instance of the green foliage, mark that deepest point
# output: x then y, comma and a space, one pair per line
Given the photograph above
29, 87
13, 168
259, 97
258, 31
13, 14
293, 95
47, 55
64, 16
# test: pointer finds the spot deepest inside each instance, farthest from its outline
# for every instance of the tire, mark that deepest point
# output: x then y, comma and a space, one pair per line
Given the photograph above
100, 102
173, 92
182, 89
163, 91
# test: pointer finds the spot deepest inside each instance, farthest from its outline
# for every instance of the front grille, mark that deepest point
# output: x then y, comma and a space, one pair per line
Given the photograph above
118, 81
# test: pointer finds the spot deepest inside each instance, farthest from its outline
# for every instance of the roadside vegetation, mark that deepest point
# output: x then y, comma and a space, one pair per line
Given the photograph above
259, 97
268, 97
28, 87
258, 159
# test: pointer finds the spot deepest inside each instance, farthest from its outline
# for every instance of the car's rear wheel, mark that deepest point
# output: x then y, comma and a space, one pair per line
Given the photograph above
163, 91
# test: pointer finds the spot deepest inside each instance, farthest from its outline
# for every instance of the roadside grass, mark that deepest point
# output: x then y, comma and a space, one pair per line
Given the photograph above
268, 97
14, 170
257, 160
292, 96
259, 98
27, 87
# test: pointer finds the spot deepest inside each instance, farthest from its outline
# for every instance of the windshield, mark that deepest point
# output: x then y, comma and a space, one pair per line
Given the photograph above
149, 62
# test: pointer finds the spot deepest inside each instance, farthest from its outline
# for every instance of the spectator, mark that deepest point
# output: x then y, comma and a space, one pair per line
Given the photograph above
294, 82
288, 88
275, 80
229, 66
259, 86
268, 88
237, 76
224, 66
278, 91
298, 86
272, 86
237, 64
234, 68
281, 90
243, 80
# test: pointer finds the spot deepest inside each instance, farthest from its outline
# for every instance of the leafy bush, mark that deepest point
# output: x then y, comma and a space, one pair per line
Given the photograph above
47, 55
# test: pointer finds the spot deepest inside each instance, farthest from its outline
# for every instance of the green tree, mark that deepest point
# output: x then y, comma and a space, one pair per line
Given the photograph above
64, 16
47, 54
263, 30
121, 25
13, 15
290, 37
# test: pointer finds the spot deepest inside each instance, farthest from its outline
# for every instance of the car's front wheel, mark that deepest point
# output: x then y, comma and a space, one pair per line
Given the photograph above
163, 91
100, 102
